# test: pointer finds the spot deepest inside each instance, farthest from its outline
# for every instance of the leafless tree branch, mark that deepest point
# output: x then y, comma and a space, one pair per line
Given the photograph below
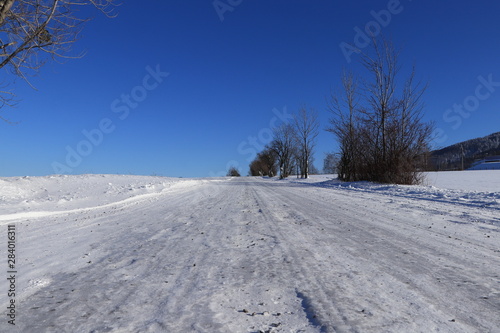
34, 31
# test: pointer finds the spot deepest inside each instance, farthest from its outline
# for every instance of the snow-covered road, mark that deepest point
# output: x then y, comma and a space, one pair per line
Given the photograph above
251, 255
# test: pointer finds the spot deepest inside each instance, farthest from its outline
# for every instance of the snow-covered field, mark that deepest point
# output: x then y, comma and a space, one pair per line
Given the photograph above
485, 180
106, 253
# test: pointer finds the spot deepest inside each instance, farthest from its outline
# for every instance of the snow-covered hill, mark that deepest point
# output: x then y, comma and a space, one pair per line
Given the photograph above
106, 253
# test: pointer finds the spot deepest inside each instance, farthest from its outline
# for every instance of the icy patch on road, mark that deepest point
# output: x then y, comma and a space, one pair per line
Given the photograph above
35, 284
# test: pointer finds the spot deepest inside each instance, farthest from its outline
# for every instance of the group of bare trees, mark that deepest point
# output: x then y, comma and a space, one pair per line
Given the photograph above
291, 148
380, 130
377, 121
34, 31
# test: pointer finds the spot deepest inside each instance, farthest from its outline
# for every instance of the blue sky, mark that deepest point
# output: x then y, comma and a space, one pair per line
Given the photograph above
180, 88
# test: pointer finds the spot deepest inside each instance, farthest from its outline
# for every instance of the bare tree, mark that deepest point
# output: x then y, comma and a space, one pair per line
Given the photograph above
283, 145
345, 109
34, 31
256, 168
306, 130
268, 158
381, 90
330, 163
381, 132
398, 135
410, 135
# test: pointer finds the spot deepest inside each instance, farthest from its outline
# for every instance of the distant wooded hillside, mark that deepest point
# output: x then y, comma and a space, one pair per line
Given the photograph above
462, 155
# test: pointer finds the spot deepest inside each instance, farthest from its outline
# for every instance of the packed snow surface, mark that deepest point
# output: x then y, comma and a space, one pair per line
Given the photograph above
107, 253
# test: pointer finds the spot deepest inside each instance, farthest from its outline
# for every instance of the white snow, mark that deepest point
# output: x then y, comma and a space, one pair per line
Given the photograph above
470, 180
108, 253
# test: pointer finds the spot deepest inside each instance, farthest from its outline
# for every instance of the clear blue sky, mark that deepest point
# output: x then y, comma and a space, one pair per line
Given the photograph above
225, 78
